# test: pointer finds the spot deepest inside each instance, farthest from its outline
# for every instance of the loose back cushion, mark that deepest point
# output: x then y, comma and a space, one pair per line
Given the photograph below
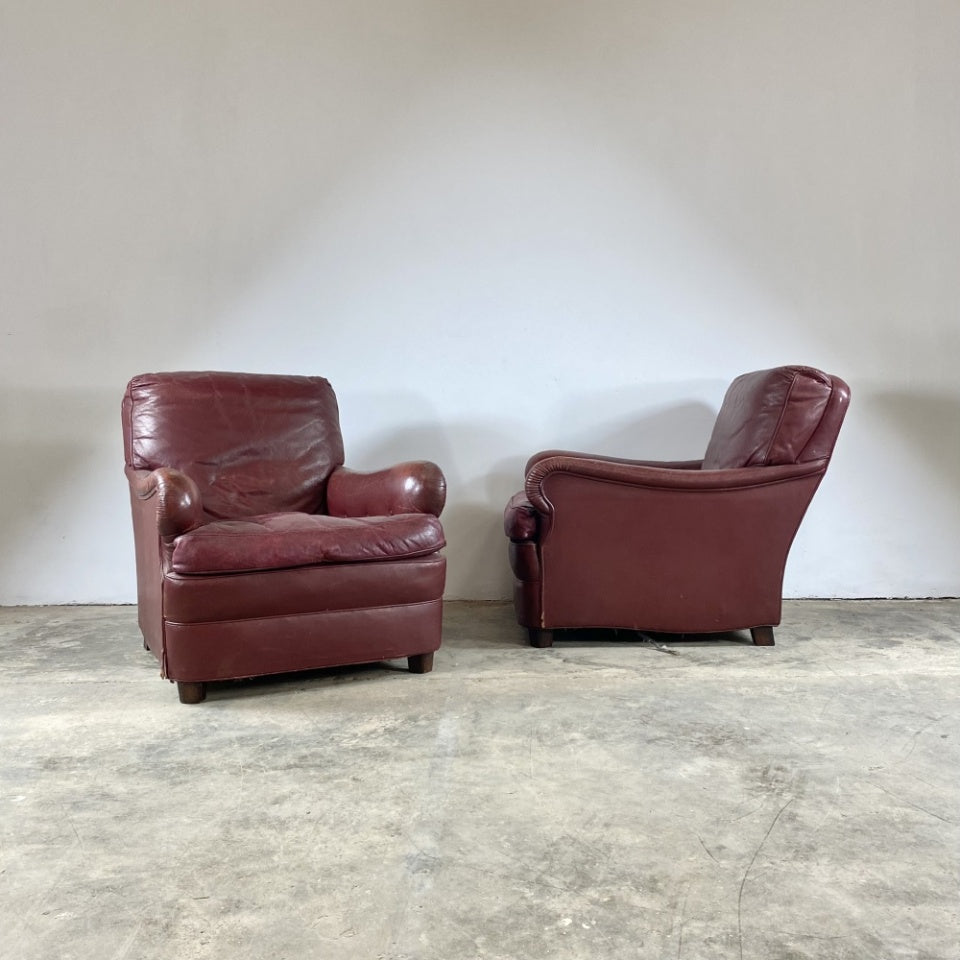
253, 443
768, 418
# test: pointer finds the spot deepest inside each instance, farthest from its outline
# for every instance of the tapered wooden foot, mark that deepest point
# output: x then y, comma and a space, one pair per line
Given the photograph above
420, 663
146, 646
191, 692
762, 636
540, 638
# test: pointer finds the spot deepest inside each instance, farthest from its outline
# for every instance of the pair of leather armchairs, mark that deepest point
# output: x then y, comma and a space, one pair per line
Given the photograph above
258, 552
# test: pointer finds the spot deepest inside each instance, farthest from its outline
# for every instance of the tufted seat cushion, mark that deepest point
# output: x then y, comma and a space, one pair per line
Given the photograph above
276, 541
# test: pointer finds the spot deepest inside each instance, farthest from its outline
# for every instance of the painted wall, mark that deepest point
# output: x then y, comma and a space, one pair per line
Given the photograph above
496, 227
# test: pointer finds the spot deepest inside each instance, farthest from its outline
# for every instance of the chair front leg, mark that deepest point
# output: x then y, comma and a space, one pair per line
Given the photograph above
420, 663
540, 637
191, 692
762, 636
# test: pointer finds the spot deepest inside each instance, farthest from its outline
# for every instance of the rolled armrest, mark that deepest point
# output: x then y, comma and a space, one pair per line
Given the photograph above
178, 499
417, 486
521, 521
658, 477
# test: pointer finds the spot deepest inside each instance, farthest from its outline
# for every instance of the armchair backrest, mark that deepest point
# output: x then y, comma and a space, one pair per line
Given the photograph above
253, 443
781, 416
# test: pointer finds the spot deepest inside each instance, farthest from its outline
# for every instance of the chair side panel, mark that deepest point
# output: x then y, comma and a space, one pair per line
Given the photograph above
673, 561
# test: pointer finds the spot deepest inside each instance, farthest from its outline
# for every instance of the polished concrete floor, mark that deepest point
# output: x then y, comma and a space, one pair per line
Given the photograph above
602, 799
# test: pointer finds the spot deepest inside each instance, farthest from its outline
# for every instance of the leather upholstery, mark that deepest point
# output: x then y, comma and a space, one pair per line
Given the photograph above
413, 487
303, 590
283, 540
178, 503
768, 418
251, 443
677, 547
520, 518
241, 568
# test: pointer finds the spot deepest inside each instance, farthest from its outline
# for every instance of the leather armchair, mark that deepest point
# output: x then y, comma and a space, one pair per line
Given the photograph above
257, 551
697, 546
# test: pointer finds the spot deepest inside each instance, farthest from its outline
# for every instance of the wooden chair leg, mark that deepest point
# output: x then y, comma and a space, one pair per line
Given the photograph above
420, 663
539, 637
191, 692
762, 636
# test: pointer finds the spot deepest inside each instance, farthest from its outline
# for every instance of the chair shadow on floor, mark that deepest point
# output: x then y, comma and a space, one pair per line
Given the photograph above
670, 642
283, 685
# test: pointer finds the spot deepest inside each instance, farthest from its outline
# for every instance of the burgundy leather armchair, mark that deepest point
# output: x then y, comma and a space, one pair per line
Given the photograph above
257, 551
684, 547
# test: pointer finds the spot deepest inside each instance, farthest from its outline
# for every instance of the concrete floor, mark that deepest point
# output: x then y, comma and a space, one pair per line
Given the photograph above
601, 799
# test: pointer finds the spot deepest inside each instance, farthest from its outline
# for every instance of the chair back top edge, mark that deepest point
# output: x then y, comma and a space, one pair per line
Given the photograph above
785, 415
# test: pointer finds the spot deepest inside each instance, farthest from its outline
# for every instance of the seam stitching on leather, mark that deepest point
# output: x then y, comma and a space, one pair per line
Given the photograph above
224, 575
424, 552
297, 616
783, 413
816, 429
759, 482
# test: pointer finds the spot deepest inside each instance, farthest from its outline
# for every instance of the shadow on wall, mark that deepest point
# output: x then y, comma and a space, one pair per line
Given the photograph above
649, 429
930, 423
56, 461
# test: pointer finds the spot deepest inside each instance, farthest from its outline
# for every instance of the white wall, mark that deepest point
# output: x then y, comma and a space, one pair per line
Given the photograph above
496, 227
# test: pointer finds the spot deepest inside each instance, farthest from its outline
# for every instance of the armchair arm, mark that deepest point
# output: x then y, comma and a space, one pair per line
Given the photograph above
177, 497
666, 464
663, 549
681, 477
416, 486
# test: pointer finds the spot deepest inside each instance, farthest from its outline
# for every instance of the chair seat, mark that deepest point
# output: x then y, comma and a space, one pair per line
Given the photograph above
278, 541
